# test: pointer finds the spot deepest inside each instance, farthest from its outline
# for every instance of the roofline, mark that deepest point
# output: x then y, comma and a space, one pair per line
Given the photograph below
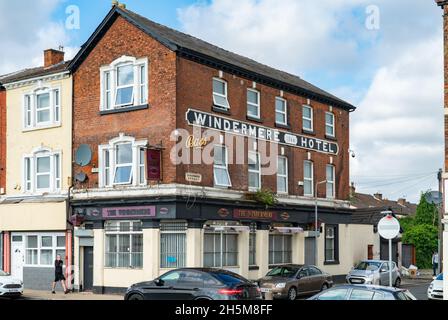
204, 59
48, 75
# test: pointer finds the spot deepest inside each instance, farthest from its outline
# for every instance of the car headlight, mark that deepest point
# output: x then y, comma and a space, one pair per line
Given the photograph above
431, 286
280, 285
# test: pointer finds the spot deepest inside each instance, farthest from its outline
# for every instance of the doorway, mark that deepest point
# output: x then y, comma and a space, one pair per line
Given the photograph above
88, 269
310, 243
17, 256
370, 252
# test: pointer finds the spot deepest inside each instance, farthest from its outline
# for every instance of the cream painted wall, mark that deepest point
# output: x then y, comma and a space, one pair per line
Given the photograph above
123, 278
20, 142
33, 216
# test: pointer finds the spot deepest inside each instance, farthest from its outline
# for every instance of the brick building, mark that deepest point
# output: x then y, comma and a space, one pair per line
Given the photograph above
144, 93
2, 156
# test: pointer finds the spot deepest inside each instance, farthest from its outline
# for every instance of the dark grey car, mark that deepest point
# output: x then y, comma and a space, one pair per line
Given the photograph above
195, 284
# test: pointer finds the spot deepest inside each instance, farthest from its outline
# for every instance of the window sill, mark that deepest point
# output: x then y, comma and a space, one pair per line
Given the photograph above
123, 269
254, 119
221, 110
331, 138
37, 128
125, 109
331, 263
254, 268
311, 133
283, 126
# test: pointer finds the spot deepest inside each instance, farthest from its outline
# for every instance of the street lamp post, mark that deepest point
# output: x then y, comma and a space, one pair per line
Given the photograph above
315, 221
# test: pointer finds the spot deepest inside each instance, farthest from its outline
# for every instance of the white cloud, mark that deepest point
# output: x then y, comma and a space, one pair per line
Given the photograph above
394, 74
26, 29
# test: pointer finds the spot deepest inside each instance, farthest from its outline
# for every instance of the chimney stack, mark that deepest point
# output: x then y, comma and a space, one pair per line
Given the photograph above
52, 57
352, 189
402, 202
379, 196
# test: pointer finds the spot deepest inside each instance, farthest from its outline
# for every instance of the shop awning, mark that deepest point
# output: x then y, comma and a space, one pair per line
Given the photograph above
289, 230
230, 228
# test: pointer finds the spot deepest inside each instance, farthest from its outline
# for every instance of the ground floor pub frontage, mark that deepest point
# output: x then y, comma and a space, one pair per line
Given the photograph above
117, 245
32, 235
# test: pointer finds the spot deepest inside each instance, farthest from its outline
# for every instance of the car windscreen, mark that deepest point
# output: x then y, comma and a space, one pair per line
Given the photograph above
368, 265
440, 277
3, 274
285, 272
229, 279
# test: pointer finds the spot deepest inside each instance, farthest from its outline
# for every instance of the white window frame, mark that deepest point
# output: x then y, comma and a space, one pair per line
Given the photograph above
110, 148
282, 176
225, 95
285, 112
256, 105
309, 179
39, 248
109, 93
29, 108
173, 234
222, 167
308, 119
331, 182
330, 126
284, 238
331, 238
256, 171
29, 164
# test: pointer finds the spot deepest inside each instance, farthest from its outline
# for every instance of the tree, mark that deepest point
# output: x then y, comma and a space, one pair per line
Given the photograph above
426, 213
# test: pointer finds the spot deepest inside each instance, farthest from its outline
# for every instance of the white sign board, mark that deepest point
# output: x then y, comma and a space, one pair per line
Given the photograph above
389, 227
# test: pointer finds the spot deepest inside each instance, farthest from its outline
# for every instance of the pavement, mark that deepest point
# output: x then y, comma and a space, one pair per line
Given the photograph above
75, 296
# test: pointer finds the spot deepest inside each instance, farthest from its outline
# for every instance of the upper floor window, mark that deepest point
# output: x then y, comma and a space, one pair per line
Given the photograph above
308, 178
253, 103
124, 83
254, 171
220, 98
221, 167
282, 175
42, 171
307, 118
122, 162
281, 111
42, 108
330, 182
329, 124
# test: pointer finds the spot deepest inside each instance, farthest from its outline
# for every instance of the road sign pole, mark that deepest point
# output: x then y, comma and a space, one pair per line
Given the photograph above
390, 263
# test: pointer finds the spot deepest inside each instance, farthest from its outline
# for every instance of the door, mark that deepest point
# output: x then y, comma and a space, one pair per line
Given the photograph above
384, 274
309, 251
316, 279
370, 252
17, 256
88, 269
304, 281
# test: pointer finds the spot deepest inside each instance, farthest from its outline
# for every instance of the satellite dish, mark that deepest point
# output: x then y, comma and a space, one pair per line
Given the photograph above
81, 177
434, 197
83, 155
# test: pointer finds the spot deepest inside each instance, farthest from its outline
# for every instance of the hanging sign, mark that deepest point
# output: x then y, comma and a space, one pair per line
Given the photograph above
154, 165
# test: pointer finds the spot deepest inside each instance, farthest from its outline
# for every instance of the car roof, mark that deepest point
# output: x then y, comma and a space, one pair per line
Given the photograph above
370, 287
378, 261
290, 265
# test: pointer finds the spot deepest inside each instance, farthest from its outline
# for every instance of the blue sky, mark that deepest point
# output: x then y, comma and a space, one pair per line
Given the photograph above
393, 72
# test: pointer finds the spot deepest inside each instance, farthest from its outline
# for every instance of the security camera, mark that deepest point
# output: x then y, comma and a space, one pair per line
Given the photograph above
352, 153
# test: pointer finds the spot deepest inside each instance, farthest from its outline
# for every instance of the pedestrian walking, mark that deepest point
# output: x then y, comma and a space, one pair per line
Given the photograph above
59, 275
435, 263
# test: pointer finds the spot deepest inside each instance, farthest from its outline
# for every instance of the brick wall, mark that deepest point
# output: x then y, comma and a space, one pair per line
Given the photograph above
2, 138
153, 124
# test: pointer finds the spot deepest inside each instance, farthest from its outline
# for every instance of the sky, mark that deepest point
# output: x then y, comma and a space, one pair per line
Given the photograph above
383, 56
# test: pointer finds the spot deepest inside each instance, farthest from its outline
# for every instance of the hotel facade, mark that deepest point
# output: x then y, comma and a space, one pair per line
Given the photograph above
148, 102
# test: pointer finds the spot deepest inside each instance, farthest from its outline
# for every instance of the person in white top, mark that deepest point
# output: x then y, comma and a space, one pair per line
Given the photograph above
435, 263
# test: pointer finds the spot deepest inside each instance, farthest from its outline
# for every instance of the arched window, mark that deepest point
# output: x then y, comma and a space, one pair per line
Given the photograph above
42, 108
42, 171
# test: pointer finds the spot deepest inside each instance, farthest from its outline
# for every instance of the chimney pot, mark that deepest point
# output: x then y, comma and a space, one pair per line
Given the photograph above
52, 57
379, 196
352, 189
402, 201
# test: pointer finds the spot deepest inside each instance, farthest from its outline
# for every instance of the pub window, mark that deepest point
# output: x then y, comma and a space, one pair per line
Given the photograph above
42, 108
221, 167
281, 111
282, 175
280, 248
329, 124
307, 118
331, 243
253, 245
253, 103
42, 249
330, 182
173, 238
220, 249
124, 83
308, 178
254, 171
122, 162
220, 98
124, 244
42, 171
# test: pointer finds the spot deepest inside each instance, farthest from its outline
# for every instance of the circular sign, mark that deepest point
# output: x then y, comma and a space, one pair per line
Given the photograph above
389, 227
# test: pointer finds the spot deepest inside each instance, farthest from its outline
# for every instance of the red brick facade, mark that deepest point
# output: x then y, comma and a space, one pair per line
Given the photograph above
2, 138
177, 84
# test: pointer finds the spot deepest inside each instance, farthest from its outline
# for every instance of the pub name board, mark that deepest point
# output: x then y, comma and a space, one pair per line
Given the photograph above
213, 122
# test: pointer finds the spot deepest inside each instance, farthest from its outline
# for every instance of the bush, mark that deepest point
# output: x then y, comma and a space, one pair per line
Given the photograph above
425, 239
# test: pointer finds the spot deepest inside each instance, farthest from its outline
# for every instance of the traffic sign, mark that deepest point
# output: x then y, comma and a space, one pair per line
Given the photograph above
389, 227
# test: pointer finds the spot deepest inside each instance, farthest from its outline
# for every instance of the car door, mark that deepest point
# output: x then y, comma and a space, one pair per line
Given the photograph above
316, 279
188, 286
303, 280
162, 288
384, 274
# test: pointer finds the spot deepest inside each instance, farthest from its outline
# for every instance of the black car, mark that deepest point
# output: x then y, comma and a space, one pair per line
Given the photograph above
363, 292
195, 284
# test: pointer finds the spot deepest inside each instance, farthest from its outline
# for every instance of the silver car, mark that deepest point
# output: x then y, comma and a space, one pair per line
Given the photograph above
374, 272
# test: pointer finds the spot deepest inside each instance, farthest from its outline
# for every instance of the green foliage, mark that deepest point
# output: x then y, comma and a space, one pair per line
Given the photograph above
266, 197
422, 232
424, 237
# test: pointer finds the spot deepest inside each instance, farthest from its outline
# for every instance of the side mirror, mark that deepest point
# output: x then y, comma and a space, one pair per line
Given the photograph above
383, 270
159, 282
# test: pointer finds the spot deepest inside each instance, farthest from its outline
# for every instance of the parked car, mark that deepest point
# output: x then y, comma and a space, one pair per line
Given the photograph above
195, 284
435, 290
374, 272
10, 286
364, 292
290, 280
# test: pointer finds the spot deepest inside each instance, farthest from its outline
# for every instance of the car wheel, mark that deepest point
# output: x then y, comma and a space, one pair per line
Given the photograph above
397, 283
135, 297
292, 294
324, 287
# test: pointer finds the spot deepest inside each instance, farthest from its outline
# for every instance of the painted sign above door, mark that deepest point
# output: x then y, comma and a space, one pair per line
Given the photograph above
227, 125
